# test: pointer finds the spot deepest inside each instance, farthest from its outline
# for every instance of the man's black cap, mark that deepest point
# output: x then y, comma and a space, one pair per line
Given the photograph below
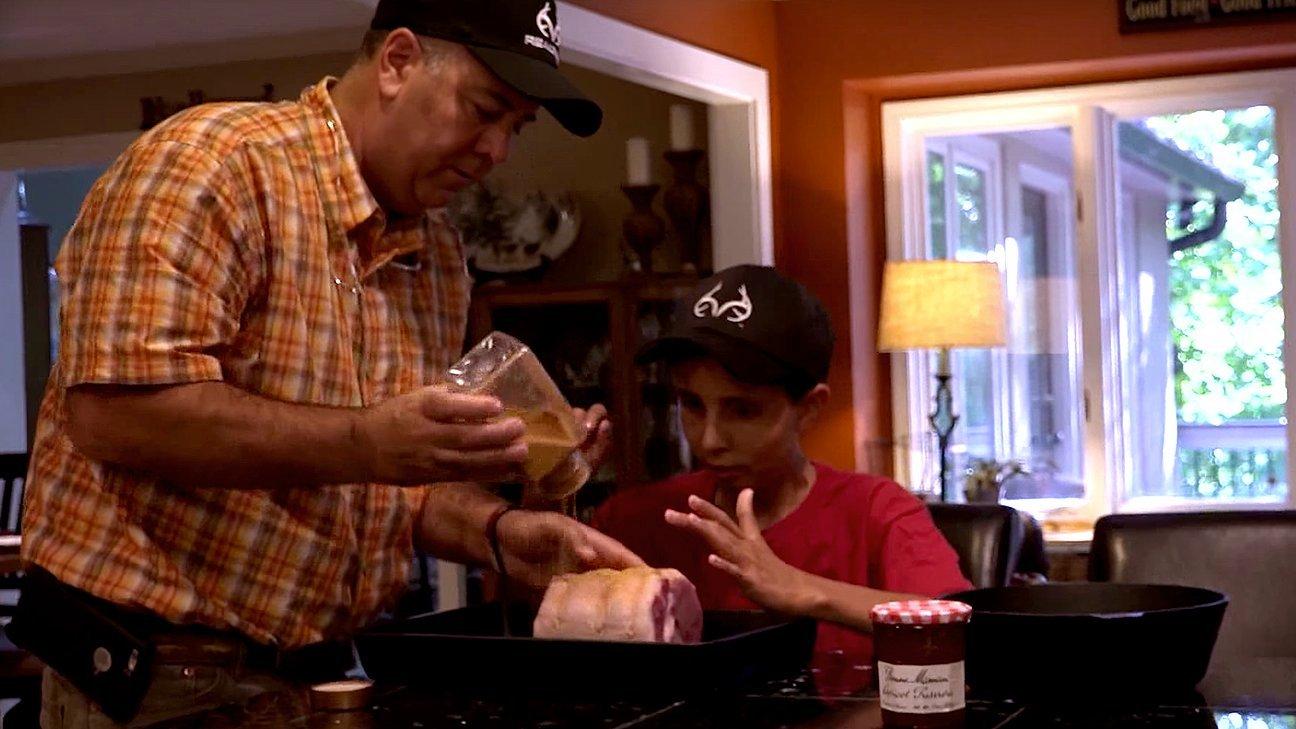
760, 325
518, 40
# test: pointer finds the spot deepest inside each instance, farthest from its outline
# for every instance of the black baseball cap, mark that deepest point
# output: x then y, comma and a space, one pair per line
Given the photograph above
518, 40
757, 323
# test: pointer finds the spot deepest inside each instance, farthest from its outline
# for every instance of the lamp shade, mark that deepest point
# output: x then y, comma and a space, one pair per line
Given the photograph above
940, 304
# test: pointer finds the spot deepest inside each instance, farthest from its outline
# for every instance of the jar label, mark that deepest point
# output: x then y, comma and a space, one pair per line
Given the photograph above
921, 689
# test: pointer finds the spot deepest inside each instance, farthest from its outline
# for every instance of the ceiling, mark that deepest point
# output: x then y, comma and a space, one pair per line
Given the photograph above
47, 39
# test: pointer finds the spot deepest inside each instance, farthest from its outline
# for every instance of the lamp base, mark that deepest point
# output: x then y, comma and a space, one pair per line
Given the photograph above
942, 421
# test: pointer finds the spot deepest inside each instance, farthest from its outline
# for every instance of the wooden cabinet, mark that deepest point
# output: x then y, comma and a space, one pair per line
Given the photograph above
587, 336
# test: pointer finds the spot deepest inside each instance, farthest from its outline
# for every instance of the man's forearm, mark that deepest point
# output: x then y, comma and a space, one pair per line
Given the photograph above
211, 434
452, 523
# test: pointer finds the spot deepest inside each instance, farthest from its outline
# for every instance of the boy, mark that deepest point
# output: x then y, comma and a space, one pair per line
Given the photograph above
758, 524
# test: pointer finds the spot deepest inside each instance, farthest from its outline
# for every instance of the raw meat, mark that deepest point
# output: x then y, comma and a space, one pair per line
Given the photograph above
638, 604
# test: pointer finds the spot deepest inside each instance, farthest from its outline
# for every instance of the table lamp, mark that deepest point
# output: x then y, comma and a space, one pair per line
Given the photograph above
940, 305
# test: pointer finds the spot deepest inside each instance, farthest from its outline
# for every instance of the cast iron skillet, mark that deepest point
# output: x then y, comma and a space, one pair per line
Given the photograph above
1090, 640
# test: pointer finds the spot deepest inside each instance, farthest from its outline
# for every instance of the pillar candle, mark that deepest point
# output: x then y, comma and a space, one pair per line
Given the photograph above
681, 127
638, 162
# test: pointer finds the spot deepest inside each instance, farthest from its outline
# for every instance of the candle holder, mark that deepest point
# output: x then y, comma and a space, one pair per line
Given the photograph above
643, 228
688, 204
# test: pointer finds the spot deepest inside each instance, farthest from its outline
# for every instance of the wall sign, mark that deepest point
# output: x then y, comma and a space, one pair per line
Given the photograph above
1141, 15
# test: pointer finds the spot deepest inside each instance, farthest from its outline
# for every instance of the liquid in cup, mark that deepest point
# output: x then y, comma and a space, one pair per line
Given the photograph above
504, 367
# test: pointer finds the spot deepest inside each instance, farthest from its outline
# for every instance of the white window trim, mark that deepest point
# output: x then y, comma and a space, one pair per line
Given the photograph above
904, 156
1025, 168
1090, 112
1142, 504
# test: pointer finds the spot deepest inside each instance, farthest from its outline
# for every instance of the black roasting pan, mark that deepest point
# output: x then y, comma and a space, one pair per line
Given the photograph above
467, 647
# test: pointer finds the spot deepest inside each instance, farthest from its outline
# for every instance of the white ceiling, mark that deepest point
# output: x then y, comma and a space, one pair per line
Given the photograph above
46, 39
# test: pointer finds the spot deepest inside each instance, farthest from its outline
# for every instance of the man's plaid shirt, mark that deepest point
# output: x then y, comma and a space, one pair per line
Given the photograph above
239, 243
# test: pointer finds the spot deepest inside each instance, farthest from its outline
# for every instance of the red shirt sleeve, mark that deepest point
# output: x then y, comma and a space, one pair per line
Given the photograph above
610, 516
634, 518
914, 556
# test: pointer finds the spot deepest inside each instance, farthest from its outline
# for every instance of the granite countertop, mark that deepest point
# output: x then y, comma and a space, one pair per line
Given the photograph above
1251, 693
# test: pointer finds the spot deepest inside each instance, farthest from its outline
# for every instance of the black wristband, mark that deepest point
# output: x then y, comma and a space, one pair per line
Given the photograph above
492, 536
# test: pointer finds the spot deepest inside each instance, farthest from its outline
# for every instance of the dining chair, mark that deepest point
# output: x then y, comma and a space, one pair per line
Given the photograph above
1248, 555
20, 672
13, 474
987, 538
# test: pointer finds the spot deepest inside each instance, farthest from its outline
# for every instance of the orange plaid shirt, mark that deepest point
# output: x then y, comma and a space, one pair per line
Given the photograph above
239, 242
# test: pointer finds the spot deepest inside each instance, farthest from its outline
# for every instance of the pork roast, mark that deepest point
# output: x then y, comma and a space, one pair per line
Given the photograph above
636, 604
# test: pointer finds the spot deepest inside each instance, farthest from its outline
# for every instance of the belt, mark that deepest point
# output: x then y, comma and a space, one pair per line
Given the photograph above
44, 596
315, 663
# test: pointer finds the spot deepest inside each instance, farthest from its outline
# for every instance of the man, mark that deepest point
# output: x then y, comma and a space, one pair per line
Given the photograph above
758, 524
234, 449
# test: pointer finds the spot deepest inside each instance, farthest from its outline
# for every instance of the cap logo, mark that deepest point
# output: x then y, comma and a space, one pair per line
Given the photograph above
545, 22
550, 37
736, 311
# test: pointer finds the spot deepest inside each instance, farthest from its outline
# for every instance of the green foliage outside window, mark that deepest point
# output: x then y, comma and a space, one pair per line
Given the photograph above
1225, 301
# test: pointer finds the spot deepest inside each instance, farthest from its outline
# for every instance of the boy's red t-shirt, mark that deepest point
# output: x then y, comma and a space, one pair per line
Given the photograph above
856, 528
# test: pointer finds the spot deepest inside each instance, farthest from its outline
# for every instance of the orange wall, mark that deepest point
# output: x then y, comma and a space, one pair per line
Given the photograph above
742, 29
814, 47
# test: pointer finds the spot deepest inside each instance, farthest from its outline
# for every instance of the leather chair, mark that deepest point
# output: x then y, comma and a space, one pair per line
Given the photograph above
13, 473
1032, 559
20, 672
987, 538
1249, 556
13, 477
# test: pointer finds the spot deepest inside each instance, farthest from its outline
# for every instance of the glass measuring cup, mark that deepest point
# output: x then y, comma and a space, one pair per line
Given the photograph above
506, 368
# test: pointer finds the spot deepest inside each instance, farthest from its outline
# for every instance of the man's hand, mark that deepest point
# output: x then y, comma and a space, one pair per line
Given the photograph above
740, 550
432, 435
540, 545
598, 435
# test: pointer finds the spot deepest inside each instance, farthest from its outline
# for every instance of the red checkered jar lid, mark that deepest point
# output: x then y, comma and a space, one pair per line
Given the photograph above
921, 612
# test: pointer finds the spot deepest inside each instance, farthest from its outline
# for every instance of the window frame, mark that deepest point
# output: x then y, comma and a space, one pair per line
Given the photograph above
1027, 168
985, 157
1091, 113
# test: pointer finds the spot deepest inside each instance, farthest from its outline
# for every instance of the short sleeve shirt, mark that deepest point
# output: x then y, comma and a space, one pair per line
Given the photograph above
851, 527
240, 243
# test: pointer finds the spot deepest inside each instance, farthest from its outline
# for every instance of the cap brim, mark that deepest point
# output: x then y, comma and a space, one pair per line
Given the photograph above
542, 82
744, 361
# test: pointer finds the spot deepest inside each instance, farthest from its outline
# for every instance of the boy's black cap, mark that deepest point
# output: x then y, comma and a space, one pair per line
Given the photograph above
518, 40
760, 325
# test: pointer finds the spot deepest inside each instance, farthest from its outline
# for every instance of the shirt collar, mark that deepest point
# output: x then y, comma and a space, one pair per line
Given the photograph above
350, 202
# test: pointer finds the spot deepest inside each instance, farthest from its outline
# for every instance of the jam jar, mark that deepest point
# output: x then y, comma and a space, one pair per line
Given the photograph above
919, 645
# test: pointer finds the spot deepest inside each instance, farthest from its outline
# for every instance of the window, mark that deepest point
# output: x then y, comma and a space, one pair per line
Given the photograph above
1201, 259
1138, 231
1009, 195
969, 197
